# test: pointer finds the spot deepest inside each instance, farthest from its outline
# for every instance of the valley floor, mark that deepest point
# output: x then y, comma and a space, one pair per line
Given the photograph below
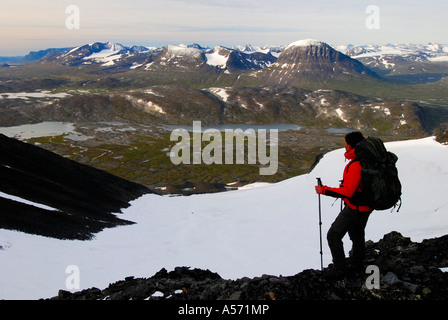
140, 153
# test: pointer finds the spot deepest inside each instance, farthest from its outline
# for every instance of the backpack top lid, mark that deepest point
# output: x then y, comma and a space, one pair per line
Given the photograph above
371, 152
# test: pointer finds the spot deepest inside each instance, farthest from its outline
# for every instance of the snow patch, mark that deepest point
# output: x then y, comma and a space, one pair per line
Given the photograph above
382, 108
305, 43
403, 121
324, 102
151, 106
21, 200
438, 59
151, 91
136, 65
27, 95
108, 55
216, 60
183, 51
220, 92
341, 114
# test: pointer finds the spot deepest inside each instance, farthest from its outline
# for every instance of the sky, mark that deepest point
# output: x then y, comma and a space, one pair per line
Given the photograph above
30, 25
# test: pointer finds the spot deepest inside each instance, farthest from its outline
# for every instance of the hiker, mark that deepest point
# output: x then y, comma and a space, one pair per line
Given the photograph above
353, 218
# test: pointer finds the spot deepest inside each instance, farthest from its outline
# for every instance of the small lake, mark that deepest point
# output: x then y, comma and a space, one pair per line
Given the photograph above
340, 130
43, 129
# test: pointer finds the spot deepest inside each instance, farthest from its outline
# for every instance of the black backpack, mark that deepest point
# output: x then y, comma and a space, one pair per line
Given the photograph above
381, 187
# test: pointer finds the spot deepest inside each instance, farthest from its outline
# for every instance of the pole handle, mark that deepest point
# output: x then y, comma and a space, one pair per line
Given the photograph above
319, 182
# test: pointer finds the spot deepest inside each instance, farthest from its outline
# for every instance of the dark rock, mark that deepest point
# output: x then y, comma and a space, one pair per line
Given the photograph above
318, 62
188, 188
85, 200
412, 279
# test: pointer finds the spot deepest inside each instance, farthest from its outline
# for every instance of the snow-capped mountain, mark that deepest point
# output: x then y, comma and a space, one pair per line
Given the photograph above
400, 58
103, 54
273, 50
334, 61
417, 52
311, 59
299, 63
109, 54
247, 59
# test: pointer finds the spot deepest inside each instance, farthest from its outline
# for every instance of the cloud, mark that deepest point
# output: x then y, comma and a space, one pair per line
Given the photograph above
233, 29
236, 21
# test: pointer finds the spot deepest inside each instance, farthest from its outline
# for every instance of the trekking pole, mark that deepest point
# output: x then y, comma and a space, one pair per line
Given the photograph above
341, 198
319, 182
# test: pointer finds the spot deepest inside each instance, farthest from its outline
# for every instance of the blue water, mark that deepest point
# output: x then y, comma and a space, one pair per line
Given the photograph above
340, 130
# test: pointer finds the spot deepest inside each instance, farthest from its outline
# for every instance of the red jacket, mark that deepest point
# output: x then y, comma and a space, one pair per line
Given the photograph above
350, 185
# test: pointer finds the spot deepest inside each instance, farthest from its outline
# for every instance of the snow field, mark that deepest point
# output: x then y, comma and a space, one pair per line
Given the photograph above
267, 229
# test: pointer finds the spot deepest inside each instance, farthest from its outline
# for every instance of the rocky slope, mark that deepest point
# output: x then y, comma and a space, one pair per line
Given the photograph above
407, 271
310, 60
217, 105
68, 200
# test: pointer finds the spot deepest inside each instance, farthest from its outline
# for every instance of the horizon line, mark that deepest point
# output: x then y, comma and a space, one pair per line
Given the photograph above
159, 44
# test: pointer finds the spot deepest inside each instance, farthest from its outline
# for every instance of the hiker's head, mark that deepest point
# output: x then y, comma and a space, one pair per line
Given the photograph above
352, 138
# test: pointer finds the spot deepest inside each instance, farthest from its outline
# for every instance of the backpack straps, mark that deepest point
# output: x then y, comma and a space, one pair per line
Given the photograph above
350, 163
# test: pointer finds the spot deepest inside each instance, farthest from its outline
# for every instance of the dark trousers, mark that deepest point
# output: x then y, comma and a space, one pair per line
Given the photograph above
353, 222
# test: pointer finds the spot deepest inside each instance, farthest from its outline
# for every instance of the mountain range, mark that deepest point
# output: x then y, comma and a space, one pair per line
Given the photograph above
307, 82
136, 56
432, 52
302, 63
420, 63
110, 54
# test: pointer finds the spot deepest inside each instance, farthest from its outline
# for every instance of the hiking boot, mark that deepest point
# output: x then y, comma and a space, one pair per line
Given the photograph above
335, 273
356, 269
